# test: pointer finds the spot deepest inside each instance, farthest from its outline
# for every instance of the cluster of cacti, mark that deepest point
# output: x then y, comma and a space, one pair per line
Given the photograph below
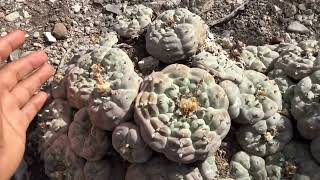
106, 121
259, 58
133, 20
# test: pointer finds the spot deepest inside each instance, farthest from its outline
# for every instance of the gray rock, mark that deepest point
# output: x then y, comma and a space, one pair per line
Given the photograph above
36, 35
297, 27
290, 9
12, 16
60, 31
50, 37
116, 9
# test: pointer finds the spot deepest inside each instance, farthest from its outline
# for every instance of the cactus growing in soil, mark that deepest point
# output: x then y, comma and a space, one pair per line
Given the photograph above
127, 141
301, 60
105, 81
305, 105
161, 168
55, 119
259, 58
182, 113
266, 137
61, 162
247, 167
220, 66
256, 97
294, 162
97, 170
133, 20
86, 140
176, 35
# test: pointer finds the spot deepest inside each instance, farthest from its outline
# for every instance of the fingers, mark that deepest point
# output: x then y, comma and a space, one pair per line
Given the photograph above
11, 42
33, 107
17, 70
26, 88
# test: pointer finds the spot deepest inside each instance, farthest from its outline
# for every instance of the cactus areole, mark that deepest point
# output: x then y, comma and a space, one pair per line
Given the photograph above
182, 113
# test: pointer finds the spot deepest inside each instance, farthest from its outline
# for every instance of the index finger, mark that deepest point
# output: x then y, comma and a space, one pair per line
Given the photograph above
11, 42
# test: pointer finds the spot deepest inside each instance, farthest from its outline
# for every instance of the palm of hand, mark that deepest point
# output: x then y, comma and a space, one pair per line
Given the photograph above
19, 81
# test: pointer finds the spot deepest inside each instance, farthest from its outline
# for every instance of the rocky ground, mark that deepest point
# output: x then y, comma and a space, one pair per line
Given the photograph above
63, 28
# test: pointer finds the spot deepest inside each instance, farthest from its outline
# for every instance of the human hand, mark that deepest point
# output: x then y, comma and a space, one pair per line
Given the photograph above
19, 100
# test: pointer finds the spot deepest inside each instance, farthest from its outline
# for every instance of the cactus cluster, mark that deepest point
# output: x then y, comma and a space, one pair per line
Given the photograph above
133, 20
177, 118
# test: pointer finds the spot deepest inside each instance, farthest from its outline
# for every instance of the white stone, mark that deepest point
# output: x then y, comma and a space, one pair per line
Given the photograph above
50, 37
76, 8
12, 16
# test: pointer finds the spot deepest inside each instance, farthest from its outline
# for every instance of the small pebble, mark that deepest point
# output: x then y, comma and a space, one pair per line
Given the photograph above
12, 16
50, 37
76, 8
297, 27
3, 34
60, 31
36, 35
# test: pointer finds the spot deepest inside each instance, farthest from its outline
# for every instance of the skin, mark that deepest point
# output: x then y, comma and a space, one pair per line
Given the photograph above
20, 99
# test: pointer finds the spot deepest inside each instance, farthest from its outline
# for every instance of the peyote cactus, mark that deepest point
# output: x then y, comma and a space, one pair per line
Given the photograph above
294, 162
265, 137
175, 35
315, 148
86, 140
218, 65
133, 20
284, 83
259, 58
97, 170
208, 168
82, 76
247, 167
182, 113
104, 80
305, 106
256, 97
301, 60
55, 118
61, 162
126, 140
161, 168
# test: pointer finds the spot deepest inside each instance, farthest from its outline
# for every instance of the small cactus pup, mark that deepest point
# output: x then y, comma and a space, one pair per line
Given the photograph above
86, 140
61, 162
126, 140
182, 113
259, 58
219, 65
256, 97
315, 148
55, 120
161, 168
208, 168
176, 35
265, 137
305, 105
294, 162
133, 20
286, 86
97, 170
248, 167
301, 60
